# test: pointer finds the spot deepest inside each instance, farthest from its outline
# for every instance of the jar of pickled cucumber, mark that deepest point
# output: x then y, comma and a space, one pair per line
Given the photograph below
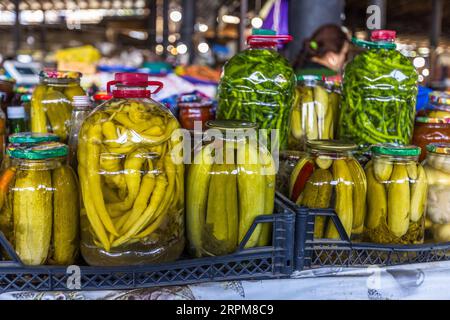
330, 177
132, 183
39, 203
437, 169
230, 182
396, 195
315, 112
51, 102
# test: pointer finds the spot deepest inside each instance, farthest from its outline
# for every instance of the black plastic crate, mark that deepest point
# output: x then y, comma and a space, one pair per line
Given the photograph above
269, 262
315, 253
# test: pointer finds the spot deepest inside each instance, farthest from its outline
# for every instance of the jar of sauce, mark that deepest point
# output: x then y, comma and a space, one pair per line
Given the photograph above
430, 130
194, 109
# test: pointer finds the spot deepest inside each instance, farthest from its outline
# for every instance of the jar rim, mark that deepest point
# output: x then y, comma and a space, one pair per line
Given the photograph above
331, 145
392, 149
230, 125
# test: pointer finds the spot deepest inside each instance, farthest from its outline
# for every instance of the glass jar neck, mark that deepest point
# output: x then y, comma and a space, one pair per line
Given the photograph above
60, 81
329, 153
396, 158
45, 164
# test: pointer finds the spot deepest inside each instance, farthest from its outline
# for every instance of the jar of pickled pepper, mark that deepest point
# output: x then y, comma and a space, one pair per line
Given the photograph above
51, 102
396, 195
132, 188
330, 177
39, 204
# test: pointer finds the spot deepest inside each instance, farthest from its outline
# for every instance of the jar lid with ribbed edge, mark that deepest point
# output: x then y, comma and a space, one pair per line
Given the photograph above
81, 101
32, 138
432, 120
391, 149
331, 145
15, 112
230, 125
441, 148
42, 151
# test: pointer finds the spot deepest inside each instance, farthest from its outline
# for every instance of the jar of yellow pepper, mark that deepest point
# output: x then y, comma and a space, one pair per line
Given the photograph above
132, 187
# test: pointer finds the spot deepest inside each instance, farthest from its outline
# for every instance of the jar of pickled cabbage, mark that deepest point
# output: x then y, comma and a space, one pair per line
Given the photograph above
230, 182
315, 112
396, 195
39, 203
51, 102
132, 187
330, 177
437, 168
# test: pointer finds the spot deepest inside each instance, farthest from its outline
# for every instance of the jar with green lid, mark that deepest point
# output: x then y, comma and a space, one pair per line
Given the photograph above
437, 168
396, 195
379, 94
315, 112
40, 204
258, 85
51, 102
330, 177
230, 182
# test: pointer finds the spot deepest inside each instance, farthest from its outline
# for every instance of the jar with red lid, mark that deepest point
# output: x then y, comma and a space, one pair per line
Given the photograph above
131, 184
193, 108
430, 130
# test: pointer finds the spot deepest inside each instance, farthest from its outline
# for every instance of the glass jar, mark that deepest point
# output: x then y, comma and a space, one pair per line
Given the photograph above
315, 112
429, 130
396, 195
16, 119
330, 177
25, 101
379, 94
51, 102
40, 205
82, 106
437, 168
288, 160
131, 187
439, 105
193, 110
230, 182
258, 85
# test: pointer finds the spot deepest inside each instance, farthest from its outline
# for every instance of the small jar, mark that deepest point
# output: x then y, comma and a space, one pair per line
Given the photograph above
430, 130
101, 97
25, 101
16, 119
195, 110
330, 177
439, 105
437, 168
396, 195
315, 112
51, 106
82, 106
40, 210
227, 188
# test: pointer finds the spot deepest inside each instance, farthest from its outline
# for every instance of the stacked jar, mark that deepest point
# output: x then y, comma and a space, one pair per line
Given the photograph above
51, 102
315, 112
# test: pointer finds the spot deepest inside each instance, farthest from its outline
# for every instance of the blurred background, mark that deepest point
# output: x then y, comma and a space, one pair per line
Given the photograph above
198, 36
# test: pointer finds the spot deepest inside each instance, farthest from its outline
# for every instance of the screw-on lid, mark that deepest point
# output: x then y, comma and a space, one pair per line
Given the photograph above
15, 112
440, 98
432, 120
32, 138
81, 101
383, 35
102, 96
48, 150
331, 145
391, 149
132, 84
264, 32
441, 148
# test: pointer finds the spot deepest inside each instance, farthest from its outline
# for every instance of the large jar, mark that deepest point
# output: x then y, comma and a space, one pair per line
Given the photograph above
330, 177
379, 94
40, 204
51, 102
396, 195
258, 85
430, 130
437, 168
230, 182
315, 112
132, 189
